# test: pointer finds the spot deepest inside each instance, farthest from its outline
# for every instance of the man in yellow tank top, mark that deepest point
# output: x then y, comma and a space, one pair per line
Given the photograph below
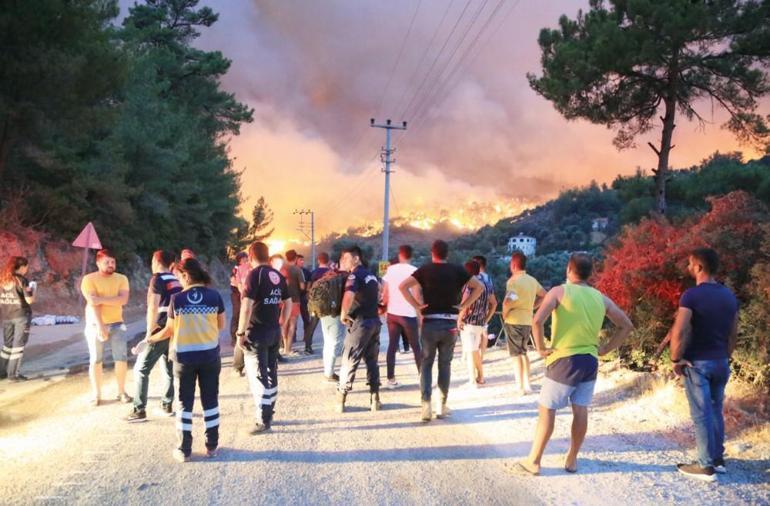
578, 312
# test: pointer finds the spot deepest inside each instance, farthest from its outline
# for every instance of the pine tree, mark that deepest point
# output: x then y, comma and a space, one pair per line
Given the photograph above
624, 65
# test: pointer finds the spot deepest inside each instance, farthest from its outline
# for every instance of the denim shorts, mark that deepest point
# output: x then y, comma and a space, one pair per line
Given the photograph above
555, 395
118, 343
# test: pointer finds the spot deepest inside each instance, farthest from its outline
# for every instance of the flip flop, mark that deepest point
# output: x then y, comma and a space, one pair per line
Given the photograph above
519, 469
572, 470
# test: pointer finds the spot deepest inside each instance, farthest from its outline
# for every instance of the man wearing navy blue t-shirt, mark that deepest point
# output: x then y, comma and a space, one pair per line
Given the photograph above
359, 313
259, 331
702, 340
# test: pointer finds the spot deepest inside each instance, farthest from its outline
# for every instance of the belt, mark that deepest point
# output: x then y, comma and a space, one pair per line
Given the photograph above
440, 316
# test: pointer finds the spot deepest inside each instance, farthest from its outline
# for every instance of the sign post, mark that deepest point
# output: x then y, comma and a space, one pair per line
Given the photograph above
87, 239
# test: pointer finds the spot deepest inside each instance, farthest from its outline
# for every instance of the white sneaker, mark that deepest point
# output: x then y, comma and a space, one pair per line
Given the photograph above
391, 384
443, 411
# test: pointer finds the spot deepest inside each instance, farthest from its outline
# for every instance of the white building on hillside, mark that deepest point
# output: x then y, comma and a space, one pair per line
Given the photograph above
523, 243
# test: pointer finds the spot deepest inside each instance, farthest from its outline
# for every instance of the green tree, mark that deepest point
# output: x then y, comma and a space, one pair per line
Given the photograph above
261, 221
622, 66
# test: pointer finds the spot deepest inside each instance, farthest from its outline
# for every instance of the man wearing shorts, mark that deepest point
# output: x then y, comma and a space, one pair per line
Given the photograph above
523, 294
296, 283
106, 292
578, 312
489, 286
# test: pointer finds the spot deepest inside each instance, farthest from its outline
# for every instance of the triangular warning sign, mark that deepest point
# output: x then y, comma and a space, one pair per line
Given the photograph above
88, 238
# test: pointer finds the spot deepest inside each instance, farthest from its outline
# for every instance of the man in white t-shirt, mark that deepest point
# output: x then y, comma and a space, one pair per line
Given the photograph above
402, 318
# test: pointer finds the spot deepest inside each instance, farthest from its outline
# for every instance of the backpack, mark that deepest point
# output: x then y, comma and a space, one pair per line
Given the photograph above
324, 298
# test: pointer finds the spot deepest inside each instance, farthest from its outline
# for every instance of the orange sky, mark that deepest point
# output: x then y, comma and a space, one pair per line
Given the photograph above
315, 72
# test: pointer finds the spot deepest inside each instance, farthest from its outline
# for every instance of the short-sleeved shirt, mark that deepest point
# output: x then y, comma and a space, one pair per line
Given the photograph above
13, 303
267, 288
366, 288
477, 312
294, 276
394, 276
520, 295
106, 286
318, 273
164, 284
714, 308
442, 285
196, 332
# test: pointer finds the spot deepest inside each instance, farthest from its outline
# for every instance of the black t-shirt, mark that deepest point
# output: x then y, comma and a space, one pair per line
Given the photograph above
164, 284
12, 302
366, 288
441, 286
267, 288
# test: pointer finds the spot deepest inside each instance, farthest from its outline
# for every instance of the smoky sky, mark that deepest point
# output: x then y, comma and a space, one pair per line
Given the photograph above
315, 71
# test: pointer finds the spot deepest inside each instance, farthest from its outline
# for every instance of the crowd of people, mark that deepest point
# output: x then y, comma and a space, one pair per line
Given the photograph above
426, 307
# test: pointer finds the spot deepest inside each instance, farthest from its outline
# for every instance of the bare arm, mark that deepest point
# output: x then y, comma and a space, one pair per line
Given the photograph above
221, 321
385, 293
121, 299
550, 302
680, 333
491, 307
539, 298
732, 339
347, 302
622, 323
477, 288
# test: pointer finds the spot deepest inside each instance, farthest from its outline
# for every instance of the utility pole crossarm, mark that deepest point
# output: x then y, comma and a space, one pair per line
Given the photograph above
303, 227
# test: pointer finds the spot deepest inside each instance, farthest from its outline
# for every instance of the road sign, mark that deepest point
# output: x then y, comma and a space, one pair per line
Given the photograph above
87, 239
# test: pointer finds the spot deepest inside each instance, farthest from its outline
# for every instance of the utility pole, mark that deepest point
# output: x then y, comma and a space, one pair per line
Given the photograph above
303, 227
387, 160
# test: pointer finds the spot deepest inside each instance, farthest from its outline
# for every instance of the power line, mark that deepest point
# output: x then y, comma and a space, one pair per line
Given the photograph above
398, 58
445, 86
438, 55
424, 54
448, 61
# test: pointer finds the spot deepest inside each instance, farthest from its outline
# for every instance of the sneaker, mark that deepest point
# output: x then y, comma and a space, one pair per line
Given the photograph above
136, 416
404, 352
427, 413
697, 471
374, 402
259, 428
124, 398
442, 411
391, 384
179, 456
18, 378
334, 378
167, 409
211, 453
281, 359
719, 466
308, 351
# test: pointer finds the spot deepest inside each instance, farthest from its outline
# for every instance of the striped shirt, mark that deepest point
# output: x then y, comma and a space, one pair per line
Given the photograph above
196, 333
477, 312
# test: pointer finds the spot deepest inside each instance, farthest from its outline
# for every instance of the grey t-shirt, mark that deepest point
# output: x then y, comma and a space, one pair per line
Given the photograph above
293, 279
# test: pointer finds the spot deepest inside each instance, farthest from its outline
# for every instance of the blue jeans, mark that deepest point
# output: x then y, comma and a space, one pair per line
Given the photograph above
334, 335
705, 387
144, 364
